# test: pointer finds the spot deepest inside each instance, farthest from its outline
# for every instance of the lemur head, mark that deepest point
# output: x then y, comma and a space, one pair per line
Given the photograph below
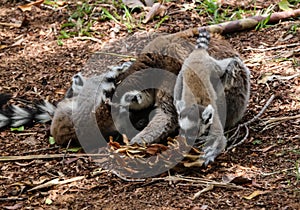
77, 83
195, 120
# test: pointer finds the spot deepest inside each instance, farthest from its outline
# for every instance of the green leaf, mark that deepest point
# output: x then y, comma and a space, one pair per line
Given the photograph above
256, 142
74, 149
51, 140
17, 129
60, 42
64, 35
284, 5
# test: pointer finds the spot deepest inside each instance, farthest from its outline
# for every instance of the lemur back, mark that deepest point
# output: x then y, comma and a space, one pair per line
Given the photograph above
204, 86
165, 53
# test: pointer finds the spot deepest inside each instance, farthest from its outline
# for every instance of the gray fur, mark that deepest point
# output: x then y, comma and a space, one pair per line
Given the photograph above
234, 77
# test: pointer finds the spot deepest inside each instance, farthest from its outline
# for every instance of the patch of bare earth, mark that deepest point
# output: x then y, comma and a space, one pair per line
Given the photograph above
33, 66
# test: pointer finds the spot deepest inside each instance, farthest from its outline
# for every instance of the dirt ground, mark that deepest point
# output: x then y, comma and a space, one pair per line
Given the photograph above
266, 167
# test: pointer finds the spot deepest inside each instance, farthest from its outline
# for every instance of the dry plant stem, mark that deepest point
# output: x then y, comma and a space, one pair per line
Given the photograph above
63, 160
206, 189
197, 181
88, 38
256, 117
52, 156
277, 172
12, 199
125, 178
39, 150
272, 48
276, 119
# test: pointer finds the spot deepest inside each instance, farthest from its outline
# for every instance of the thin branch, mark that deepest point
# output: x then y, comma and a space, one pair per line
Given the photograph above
125, 178
256, 117
276, 119
277, 172
272, 48
197, 180
89, 38
48, 156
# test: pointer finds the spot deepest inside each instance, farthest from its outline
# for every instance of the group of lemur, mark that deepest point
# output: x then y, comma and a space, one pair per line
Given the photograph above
208, 94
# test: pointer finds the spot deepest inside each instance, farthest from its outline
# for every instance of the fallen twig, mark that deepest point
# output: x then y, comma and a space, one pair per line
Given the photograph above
48, 156
125, 178
271, 122
56, 182
39, 150
272, 48
234, 139
196, 181
89, 38
276, 119
277, 172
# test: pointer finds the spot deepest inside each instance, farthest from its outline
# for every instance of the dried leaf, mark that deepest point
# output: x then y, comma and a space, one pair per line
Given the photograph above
198, 163
125, 139
156, 9
27, 7
60, 3
3, 46
255, 194
236, 179
60, 92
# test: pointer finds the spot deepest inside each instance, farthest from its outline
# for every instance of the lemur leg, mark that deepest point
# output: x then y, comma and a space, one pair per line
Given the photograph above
162, 124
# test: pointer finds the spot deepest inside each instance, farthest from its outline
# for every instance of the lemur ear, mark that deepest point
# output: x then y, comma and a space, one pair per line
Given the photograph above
78, 80
77, 84
208, 114
180, 105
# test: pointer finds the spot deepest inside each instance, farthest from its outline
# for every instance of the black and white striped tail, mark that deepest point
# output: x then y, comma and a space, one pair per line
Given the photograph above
203, 39
16, 116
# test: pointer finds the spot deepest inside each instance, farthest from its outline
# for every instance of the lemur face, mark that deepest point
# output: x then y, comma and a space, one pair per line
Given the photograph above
195, 121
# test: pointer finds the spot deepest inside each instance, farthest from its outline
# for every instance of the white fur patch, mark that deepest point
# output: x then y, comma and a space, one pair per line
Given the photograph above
111, 74
19, 113
186, 124
208, 114
107, 86
47, 107
4, 121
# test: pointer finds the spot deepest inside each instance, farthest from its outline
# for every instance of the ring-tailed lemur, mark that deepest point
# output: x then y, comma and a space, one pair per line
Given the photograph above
197, 92
166, 52
15, 116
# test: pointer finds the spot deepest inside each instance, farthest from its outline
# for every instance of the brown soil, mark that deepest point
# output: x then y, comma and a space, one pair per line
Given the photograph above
33, 66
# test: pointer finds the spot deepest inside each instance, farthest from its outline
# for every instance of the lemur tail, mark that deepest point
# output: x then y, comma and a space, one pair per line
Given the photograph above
15, 116
203, 39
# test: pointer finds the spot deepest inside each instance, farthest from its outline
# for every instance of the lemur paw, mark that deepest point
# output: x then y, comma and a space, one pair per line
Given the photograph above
214, 146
